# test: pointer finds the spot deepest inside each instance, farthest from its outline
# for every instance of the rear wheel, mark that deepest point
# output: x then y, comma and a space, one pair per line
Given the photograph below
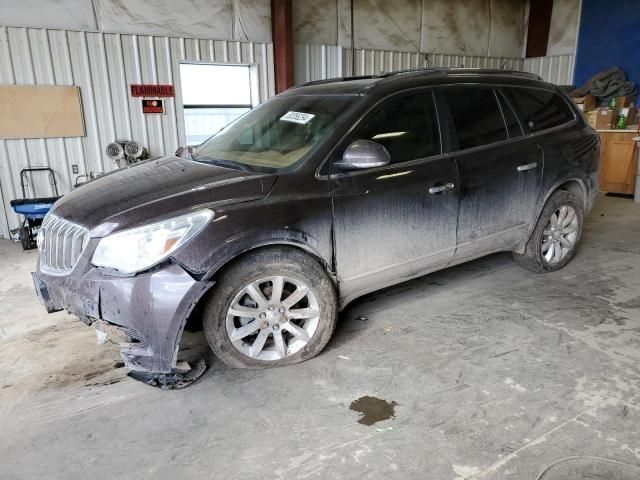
25, 238
554, 241
273, 307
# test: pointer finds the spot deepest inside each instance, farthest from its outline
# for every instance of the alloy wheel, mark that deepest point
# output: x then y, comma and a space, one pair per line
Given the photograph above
272, 318
560, 235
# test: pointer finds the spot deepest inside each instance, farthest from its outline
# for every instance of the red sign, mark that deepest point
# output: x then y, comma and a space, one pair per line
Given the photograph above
145, 90
152, 106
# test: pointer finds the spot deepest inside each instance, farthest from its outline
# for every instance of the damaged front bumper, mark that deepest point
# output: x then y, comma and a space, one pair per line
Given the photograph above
144, 314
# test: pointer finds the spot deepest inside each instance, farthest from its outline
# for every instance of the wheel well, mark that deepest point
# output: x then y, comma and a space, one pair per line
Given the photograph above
286, 244
194, 321
576, 188
572, 186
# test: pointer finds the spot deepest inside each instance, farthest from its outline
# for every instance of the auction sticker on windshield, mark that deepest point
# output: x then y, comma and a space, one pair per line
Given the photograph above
297, 117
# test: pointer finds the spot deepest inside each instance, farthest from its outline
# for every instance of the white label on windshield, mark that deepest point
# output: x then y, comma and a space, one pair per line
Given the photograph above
297, 117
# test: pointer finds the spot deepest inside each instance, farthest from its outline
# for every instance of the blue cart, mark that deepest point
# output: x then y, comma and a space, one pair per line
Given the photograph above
35, 208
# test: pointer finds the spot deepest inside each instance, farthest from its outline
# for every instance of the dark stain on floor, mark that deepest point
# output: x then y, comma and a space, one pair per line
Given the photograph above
373, 409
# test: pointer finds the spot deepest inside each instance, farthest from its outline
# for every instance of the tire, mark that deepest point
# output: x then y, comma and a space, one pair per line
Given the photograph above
535, 258
25, 238
306, 325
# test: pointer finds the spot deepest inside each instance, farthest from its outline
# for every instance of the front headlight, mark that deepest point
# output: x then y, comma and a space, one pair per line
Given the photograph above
140, 248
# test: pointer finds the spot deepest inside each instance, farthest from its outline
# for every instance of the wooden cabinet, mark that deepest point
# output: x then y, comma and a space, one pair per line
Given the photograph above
617, 162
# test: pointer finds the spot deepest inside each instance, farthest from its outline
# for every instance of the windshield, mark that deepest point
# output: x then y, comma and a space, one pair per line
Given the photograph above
277, 134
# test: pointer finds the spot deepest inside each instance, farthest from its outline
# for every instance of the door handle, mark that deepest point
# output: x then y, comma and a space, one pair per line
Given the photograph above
441, 188
528, 166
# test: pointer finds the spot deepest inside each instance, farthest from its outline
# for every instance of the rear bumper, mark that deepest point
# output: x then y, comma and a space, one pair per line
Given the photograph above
145, 314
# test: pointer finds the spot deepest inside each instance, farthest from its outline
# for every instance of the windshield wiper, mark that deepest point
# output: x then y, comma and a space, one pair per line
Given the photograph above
222, 163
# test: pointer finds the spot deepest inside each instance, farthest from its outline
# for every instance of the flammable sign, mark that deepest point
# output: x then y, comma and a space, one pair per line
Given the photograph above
152, 106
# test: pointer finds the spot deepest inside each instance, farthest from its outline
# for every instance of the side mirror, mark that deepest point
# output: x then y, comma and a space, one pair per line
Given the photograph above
184, 152
364, 154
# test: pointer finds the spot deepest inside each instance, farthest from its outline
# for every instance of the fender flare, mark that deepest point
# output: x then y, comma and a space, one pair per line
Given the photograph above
249, 245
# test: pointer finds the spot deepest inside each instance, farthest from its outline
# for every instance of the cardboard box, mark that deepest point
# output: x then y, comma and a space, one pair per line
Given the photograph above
631, 114
591, 118
606, 118
586, 103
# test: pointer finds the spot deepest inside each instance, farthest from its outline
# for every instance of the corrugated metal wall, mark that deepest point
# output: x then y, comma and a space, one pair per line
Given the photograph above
556, 69
103, 65
370, 62
318, 62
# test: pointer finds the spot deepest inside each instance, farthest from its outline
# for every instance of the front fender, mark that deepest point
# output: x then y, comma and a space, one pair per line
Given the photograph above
304, 222
249, 241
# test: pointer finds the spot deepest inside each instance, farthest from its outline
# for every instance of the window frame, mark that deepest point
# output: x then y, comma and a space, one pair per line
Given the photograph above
253, 86
324, 170
448, 128
553, 92
452, 132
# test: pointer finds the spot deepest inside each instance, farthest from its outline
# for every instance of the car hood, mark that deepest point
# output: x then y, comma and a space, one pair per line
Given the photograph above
158, 189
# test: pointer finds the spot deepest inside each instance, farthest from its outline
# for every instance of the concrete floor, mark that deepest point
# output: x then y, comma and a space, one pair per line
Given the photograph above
496, 373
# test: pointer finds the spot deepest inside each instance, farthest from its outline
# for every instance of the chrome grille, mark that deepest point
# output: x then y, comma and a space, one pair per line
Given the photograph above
60, 244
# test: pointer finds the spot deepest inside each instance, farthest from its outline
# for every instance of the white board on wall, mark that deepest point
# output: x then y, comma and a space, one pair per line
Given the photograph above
40, 111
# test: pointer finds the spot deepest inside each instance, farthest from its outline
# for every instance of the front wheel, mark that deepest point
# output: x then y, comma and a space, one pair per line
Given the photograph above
554, 241
273, 307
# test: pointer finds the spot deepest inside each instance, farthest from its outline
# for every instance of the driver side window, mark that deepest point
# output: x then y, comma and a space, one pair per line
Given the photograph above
406, 125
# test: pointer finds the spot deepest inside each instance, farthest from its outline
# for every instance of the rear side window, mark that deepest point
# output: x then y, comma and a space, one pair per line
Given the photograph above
539, 109
476, 116
406, 125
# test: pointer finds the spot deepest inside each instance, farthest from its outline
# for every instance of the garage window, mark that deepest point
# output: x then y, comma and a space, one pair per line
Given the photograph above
213, 96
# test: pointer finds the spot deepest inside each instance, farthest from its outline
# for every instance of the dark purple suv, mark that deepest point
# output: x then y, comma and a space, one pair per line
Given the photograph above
316, 197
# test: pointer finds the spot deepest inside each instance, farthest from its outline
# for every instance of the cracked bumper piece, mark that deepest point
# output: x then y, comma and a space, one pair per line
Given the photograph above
172, 381
144, 314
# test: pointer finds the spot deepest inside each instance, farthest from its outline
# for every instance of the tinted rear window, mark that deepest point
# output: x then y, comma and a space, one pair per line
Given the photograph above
539, 109
475, 115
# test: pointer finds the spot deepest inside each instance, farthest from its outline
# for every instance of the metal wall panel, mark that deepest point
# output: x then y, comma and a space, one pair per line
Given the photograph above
318, 62
103, 65
556, 69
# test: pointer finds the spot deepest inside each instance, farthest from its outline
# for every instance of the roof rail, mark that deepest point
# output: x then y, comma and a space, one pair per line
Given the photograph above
427, 71
454, 70
497, 71
339, 79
